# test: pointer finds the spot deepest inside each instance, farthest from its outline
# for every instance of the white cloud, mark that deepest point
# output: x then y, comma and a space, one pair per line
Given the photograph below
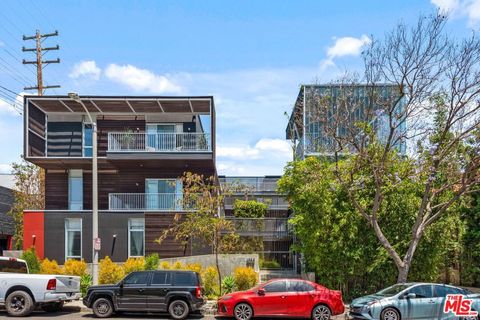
12, 108
139, 79
5, 168
85, 69
345, 46
460, 8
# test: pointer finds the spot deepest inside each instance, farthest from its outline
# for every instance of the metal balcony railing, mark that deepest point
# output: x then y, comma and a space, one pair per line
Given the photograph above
158, 142
262, 227
252, 184
146, 202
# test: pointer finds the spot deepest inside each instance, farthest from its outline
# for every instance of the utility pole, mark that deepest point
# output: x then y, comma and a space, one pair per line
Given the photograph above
39, 61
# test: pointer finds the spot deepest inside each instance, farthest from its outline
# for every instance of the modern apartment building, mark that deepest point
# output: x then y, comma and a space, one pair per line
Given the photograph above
273, 231
318, 105
145, 144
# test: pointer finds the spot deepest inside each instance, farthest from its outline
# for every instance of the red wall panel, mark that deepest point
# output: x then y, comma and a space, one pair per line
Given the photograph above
33, 225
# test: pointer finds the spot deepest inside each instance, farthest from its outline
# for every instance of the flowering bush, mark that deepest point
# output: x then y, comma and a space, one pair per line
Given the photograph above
134, 264
75, 267
245, 278
50, 267
210, 281
165, 265
109, 272
178, 266
197, 267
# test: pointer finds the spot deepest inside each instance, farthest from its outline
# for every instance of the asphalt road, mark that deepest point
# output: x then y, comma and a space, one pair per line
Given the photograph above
71, 312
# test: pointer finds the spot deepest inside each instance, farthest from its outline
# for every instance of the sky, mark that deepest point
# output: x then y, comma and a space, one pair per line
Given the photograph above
252, 56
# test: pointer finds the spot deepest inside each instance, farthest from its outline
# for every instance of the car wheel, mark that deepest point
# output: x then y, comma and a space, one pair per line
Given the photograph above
52, 307
243, 311
102, 308
321, 312
390, 314
178, 309
19, 304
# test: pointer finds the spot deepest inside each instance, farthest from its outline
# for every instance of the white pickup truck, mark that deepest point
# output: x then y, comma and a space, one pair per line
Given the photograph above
21, 292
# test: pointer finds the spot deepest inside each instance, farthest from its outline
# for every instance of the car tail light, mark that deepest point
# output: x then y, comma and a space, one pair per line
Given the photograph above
198, 292
52, 284
12, 259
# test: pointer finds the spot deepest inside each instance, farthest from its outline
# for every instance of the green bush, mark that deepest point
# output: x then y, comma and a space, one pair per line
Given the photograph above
210, 282
249, 209
151, 261
245, 278
85, 283
228, 284
269, 264
32, 260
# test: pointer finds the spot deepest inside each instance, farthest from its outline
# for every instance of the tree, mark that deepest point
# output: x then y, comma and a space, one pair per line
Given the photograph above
29, 194
435, 91
203, 197
337, 244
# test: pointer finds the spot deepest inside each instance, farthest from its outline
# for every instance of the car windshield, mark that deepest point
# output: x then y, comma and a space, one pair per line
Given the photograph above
393, 290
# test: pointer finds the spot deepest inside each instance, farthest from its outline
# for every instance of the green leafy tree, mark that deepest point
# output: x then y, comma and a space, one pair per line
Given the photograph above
204, 198
471, 243
29, 194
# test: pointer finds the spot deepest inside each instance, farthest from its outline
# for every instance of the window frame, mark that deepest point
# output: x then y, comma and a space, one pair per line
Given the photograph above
278, 281
71, 176
66, 231
130, 236
84, 124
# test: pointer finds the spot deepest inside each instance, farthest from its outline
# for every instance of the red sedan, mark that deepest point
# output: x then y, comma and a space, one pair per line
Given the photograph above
283, 298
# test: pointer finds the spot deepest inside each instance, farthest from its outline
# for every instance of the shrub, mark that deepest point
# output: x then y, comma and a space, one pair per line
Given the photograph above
249, 209
75, 267
50, 267
269, 264
210, 282
178, 266
109, 272
133, 264
245, 278
151, 261
228, 283
165, 265
32, 260
85, 283
197, 267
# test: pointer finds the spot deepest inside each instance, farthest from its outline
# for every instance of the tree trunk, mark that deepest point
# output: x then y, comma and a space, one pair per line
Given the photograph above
403, 273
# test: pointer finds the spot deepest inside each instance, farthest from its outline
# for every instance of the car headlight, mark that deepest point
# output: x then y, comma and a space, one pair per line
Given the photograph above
225, 298
369, 304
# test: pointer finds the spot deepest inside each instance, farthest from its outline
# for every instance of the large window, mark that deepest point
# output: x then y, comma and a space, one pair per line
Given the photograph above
87, 140
163, 194
136, 237
75, 189
73, 239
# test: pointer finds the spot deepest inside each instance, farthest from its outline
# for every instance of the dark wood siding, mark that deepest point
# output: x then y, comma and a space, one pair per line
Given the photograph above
56, 190
106, 126
37, 127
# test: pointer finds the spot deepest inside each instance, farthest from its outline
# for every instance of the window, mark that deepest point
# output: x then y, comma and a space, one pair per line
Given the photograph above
163, 194
13, 266
136, 278
136, 237
161, 278
186, 279
75, 189
422, 291
277, 286
87, 140
73, 239
442, 291
300, 286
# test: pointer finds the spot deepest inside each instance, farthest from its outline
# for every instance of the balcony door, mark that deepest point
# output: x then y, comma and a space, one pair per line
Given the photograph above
163, 194
161, 137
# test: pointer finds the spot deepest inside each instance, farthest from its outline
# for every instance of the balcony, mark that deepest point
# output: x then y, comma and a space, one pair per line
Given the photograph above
267, 228
158, 142
168, 202
251, 184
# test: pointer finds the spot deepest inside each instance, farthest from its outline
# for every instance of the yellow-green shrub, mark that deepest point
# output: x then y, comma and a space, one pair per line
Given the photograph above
49, 267
109, 272
178, 266
196, 267
75, 267
134, 264
165, 265
245, 278
210, 281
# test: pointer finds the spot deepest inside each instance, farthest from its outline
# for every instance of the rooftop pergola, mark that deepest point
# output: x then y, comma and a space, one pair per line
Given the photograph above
123, 105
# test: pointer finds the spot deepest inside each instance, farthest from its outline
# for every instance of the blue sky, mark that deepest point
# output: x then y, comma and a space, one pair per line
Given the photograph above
251, 55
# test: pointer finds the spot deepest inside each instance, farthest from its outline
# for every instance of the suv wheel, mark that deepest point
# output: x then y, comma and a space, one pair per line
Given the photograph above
19, 304
243, 311
102, 308
52, 307
390, 314
178, 309
321, 312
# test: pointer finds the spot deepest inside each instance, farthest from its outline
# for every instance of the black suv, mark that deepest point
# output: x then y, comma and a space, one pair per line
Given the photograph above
178, 292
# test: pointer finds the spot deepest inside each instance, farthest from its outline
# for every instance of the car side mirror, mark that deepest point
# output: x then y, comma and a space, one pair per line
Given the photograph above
411, 296
261, 292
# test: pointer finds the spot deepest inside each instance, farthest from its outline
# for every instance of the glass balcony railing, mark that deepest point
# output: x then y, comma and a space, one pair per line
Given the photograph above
146, 202
158, 142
